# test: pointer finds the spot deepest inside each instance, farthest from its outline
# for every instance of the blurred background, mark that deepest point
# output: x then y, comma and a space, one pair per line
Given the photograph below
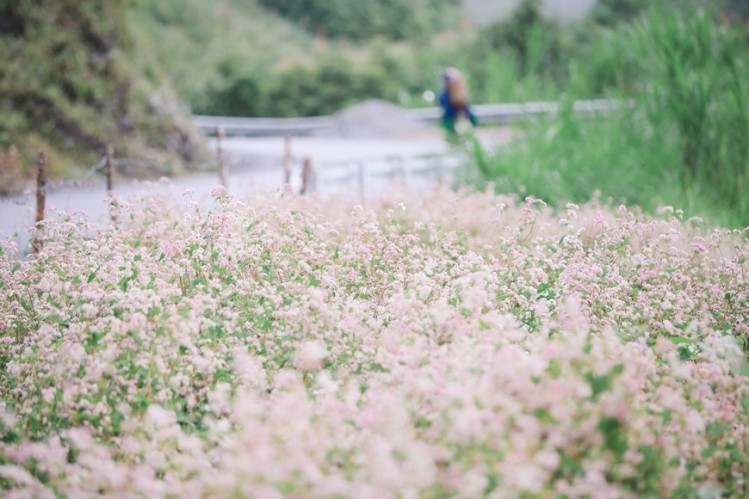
78, 74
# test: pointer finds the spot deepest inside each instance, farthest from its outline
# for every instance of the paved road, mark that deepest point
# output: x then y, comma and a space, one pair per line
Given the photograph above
255, 165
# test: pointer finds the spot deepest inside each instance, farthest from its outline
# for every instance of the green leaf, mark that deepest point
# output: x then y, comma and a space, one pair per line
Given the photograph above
600, 384
569, 465
613, 435
685, 353
544, 416
93, 339
554, 369
491, 483
666, 415
680, 340
184, 311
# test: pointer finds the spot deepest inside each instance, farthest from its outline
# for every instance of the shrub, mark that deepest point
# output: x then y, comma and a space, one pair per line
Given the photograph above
394, 19
319, 89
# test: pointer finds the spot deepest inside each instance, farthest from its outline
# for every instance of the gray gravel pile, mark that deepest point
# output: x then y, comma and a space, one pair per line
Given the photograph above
375, 119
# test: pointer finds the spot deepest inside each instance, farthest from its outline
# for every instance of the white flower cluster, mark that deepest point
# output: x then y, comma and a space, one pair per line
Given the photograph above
454, 344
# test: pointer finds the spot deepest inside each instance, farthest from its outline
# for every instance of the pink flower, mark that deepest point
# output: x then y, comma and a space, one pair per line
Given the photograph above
218, 191
310, 356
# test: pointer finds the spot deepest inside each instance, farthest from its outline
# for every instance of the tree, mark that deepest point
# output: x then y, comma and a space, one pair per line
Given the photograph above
612, 12
360, 20
533, 38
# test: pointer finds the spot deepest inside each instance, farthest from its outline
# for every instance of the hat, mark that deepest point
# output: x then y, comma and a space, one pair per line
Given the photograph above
451, 74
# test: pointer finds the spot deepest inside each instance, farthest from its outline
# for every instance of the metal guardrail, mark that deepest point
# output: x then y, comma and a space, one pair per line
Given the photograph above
499, 114
263, 126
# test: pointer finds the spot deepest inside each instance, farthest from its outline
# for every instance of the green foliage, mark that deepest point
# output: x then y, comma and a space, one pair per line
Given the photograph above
315, 90
613, 12
522, 58
603, 66
695, 82
533, 39
239, 97
61, 68
683, 142
254, 64
357, 20
67, 85
566, 158
323, 89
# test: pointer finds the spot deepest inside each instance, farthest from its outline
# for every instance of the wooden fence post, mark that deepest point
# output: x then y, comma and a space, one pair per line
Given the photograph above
110, 169
110, 182
288, 162
41, 197
222, 176
307, 174
360, 180
402, 170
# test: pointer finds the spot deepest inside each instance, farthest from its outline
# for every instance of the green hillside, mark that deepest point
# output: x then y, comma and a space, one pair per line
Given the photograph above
290, 58
78, 74
69, 85
195, 46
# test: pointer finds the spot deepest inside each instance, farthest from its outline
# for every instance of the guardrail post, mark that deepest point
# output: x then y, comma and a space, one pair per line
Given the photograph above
288, 162
222, 176
41, 197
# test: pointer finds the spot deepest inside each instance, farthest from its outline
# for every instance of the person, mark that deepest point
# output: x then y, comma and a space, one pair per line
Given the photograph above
454, 102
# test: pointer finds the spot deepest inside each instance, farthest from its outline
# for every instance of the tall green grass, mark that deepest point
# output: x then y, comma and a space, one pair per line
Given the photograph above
684, 141
696, 82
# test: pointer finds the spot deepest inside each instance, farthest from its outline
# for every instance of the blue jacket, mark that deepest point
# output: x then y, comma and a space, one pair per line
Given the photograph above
451, 112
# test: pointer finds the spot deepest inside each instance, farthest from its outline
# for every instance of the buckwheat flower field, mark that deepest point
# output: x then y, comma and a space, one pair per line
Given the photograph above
445, 345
